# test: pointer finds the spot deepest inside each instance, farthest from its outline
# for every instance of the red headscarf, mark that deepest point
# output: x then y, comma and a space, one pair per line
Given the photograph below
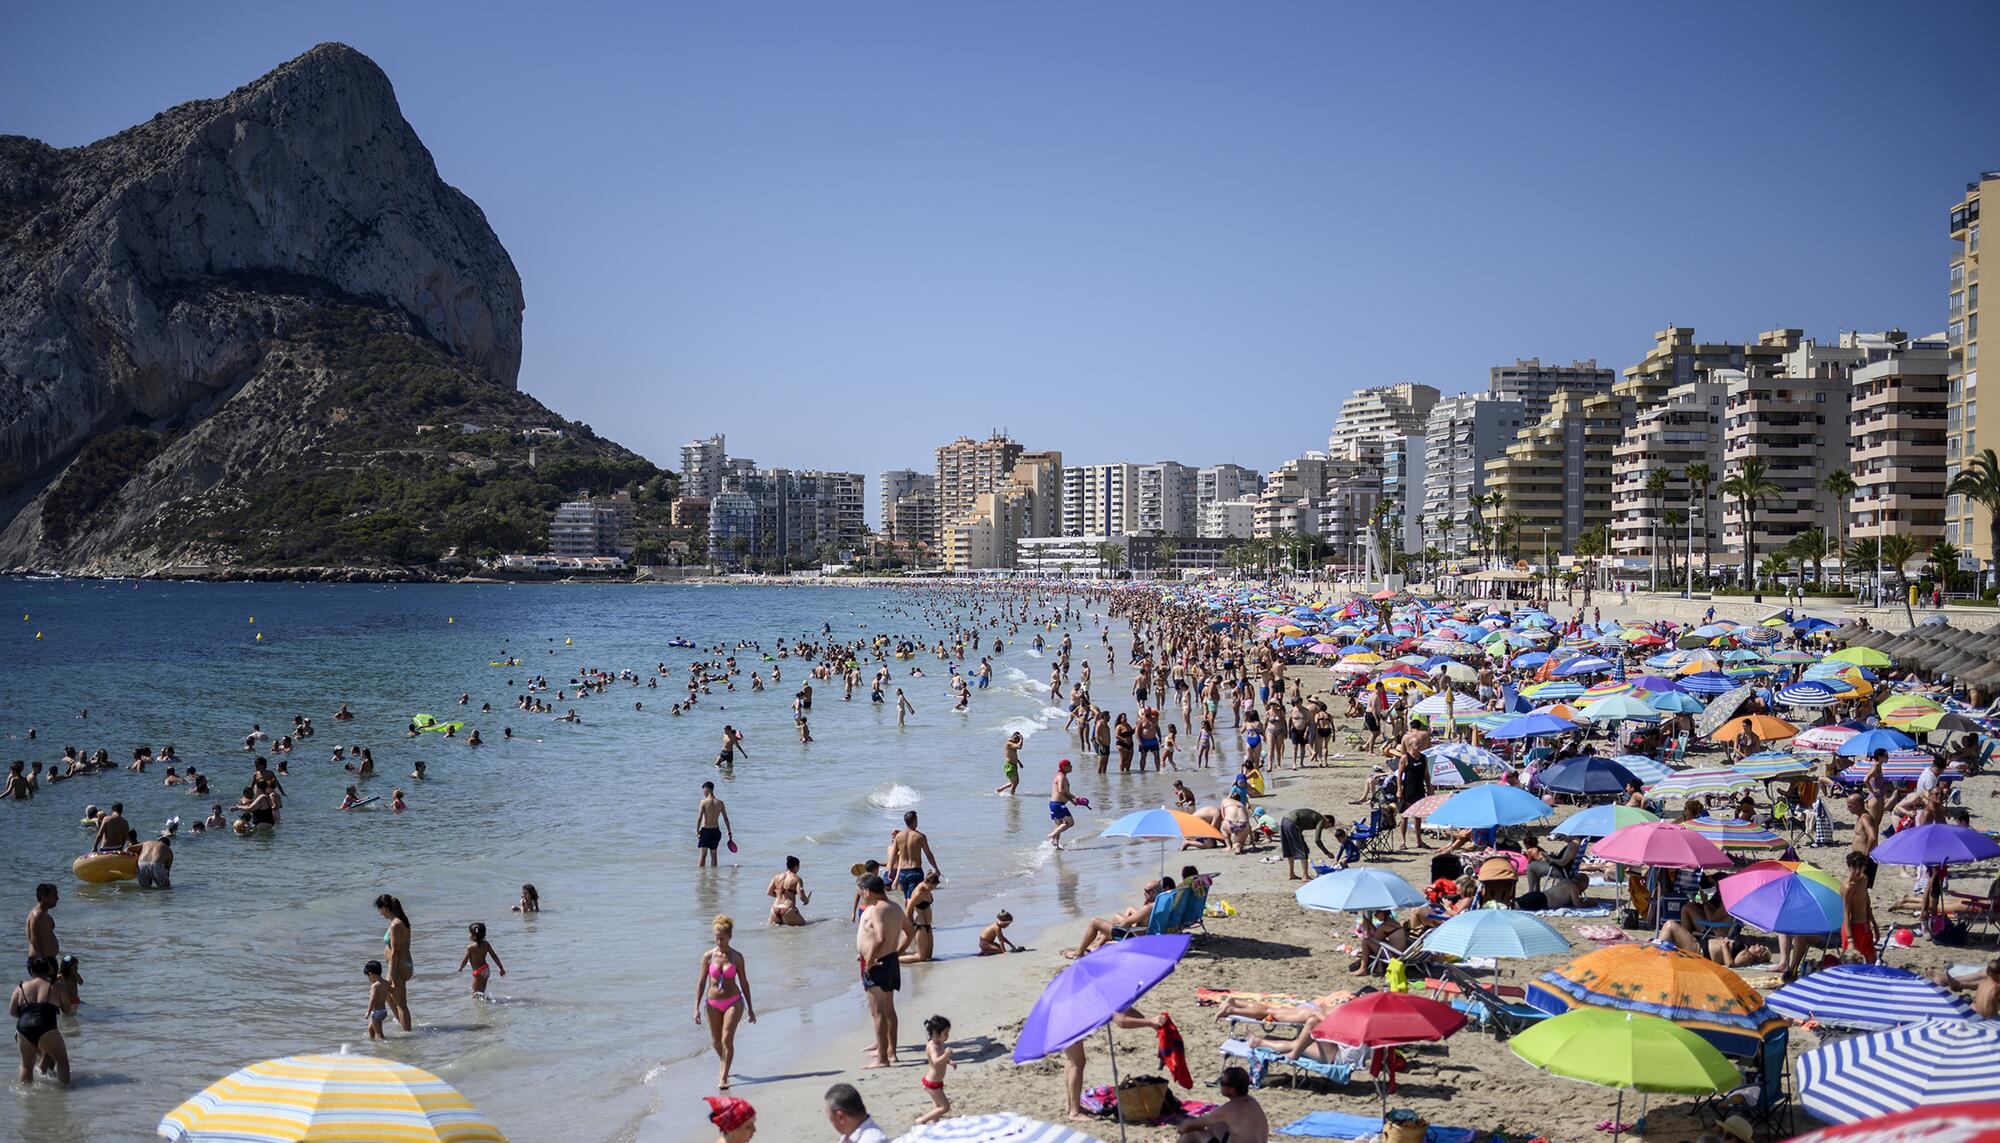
728, 1113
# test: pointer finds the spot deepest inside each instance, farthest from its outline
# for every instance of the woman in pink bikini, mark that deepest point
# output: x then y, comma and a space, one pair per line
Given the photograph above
722, 989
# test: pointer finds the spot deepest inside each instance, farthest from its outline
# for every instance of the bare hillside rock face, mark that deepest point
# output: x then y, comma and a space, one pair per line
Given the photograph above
165, 302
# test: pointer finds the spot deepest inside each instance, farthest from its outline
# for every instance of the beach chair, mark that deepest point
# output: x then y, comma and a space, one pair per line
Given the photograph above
1177, 912
1484, 1004
1369, 835
1259, 1062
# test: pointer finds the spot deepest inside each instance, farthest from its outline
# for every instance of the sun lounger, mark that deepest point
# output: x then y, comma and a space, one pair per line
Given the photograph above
1259, 1061
1341, 1125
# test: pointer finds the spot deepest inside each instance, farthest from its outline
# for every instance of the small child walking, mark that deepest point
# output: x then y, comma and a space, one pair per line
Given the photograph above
1206, 743
380, 995
477, 953
937, 1057
1167, 750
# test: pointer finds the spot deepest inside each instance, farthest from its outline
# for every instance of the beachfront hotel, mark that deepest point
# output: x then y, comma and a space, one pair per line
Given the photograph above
1965, 434
1896, 443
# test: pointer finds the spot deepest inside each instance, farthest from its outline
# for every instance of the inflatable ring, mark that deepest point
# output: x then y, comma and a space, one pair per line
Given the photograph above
103, 868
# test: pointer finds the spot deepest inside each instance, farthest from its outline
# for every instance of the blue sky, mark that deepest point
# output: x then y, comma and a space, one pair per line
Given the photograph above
844, 233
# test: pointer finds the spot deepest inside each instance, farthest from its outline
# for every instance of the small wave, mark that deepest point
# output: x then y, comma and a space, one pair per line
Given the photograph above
1051, 713
1025, 727
1016, 675
893, 796
1035, 653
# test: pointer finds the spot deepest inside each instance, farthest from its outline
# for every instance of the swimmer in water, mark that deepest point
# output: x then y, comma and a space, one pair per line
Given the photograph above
477, 952
353, 797
531, 900
396, 801
418, 773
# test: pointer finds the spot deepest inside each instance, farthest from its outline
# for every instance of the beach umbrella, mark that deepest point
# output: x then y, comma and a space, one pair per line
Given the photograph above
1385, 1019
1620, 708
1460, 672
1531, 659
1952, 1123
1459, 704
1949, 721
1627, 1051
1809, 693
1793, 657
1356, 889
1936, 844
1585, 774
1707, 683
1772, 764
1489, 806
1448, 772
1585, 665
1607, 689
1691, 783
1929, 1063
1812, 623
1672, 702
1531, 726
1495, 933
1898, 708
1597, 821
336, 1098
1655, 684
1162, 825
1860, 657
1647, 770
1732, 833
1784, 897
1866, 997
1692, 991
999, 1127
1761, 725
1095, 987
1427, 805
1553, 690
1666, 845
1477, 757
1867, 742
1824, 739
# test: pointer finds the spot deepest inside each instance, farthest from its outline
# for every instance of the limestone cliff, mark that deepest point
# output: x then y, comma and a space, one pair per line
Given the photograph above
180, 310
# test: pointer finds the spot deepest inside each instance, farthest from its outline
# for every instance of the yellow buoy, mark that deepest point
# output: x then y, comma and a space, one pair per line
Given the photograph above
38, 634
566, 642
253, 619
260, 636
449, 619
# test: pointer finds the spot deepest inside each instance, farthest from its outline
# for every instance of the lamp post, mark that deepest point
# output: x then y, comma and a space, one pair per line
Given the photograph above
1548, 571
1688, 592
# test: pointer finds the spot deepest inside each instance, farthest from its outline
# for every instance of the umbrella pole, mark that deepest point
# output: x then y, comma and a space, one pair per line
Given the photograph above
1111, 1050
1618, 1116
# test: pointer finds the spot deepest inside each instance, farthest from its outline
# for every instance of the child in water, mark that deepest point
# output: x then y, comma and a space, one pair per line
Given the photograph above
531, 901
396, 801
380, 996
476, 954
352, 797
937, 1054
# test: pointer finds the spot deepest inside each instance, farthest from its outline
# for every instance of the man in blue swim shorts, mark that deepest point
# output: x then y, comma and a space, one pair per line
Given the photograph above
1059, 800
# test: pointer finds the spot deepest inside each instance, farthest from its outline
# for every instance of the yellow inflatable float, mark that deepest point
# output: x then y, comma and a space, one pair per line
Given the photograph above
103, 868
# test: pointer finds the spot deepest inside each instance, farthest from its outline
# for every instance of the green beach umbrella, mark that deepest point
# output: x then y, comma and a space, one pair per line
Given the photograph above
1626, 1051
1860, 657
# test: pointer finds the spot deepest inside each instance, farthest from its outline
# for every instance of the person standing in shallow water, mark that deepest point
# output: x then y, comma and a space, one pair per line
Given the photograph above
711, 818
402, 965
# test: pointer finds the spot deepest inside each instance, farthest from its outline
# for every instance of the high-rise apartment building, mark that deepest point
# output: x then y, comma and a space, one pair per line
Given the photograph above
702, 467
1683, 430
1166, 492
897, 483
593, 526
1677, 358
1230, 519
848, 492
780, 514
1557, 474
1382, 410
1965, 434
913, 519
1036, 482
1292, 498
1404, 471
1534, 385
966, 468
1351, 491
1100, 500
1463, 433
1220, 482
1896, 443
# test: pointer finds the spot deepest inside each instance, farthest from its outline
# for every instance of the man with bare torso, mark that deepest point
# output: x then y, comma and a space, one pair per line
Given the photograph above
113, 831
877, 936
1985, 989
42, 923
156, 862
711, 818
908, 850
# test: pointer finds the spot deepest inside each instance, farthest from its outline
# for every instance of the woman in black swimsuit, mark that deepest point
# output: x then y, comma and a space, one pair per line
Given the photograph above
34, 1006
919, 947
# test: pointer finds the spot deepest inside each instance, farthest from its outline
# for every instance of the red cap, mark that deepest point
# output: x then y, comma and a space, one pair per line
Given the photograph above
728, 1112
1063, 765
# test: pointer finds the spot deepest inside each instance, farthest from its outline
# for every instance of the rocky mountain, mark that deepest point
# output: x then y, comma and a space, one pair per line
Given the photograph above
261, 331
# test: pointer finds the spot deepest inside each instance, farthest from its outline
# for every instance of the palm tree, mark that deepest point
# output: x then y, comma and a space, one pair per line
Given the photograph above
1477, 522
1587, 548
1944, 554
1164, 553
1674, 519
1109, 555
1698, 477
1774, 568
1750, 485
1861, 554
1840, 486
1656, 487
1898, 550
1809, 547
1431, 557
1979, 482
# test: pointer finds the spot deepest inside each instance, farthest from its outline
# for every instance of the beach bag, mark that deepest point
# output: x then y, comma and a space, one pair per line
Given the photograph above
1404, 1126
1142, 1098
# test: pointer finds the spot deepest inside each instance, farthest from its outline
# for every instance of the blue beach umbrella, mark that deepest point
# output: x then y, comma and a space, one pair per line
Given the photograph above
1867, 998
1495, 933
1532, 726
1586, 774
1931, 1063
1486, 807
1601, 821
1584, 665
1708, 683
1356, 889
1868, 742
1673, 702
1647, 770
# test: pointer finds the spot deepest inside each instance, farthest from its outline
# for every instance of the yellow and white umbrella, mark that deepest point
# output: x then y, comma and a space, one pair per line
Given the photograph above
329, 1099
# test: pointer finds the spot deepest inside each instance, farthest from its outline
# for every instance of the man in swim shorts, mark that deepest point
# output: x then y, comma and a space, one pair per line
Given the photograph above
1059, 800
880, 932
707, 831
908, 851
156, 860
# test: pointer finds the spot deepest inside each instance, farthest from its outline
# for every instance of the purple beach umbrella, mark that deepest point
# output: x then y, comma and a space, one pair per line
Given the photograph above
1938, 844
1086, 995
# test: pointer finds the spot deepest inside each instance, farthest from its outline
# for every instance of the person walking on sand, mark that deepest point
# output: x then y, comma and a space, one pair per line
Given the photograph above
711, 818
722, 994
1059, 802
880, 933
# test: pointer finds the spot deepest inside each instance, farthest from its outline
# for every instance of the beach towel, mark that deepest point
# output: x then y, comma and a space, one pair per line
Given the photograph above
1173, 1052
1593, 911
1334, 1125
1209, 997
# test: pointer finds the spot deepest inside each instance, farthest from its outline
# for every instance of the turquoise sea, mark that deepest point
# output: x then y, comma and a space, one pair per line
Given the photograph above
257, 951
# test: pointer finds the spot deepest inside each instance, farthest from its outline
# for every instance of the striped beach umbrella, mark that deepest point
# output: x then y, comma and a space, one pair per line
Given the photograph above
1931, 1063
1867, 998
1459, 704
1584, 665
1824, 739
1958, 1122
1606, 690
1449, 774
1600, 821
1792, 657
334, 1098
1691, 783
1707, 683
1734, 834
1773, 764
1647, 770
1477, 757
1544, 692
1427, 805
1808, 693
1694, 992
998, 1127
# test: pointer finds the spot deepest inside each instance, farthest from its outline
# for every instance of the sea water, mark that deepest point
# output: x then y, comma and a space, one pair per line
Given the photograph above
257, 950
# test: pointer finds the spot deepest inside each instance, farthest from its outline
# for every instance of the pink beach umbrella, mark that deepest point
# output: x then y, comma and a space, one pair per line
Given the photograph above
1663, 845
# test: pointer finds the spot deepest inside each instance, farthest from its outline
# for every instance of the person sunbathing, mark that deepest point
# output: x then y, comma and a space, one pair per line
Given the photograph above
1274, 1012
1103, 930
1303, 1046
1379, 930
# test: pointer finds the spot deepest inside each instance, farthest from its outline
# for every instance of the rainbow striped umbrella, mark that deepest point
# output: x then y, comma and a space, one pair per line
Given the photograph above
1773, 764
1606, 690
333, 1099
1689, 783
1732, 833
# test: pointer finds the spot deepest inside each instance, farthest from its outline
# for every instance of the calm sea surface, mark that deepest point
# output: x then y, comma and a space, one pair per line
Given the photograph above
257, 951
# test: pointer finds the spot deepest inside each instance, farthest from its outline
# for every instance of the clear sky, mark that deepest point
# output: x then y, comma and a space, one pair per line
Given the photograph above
843, 233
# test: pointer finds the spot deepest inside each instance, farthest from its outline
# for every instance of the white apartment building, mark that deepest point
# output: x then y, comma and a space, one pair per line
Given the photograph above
1224, 482
1100, 500
702, 467
1230, 519
1463, 433
1167, 499
1382, 410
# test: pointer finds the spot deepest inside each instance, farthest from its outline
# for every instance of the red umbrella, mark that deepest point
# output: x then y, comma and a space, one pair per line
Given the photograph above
1958, 1123
1384, 1019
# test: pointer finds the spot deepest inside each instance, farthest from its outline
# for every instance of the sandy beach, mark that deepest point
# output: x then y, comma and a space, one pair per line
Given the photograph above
1269, 945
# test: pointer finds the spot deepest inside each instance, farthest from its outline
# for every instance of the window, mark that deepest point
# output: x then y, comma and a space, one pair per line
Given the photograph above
1819, 398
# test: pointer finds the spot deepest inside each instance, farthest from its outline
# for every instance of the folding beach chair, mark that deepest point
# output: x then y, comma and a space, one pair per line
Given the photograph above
1486, 1004
1259, 1061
